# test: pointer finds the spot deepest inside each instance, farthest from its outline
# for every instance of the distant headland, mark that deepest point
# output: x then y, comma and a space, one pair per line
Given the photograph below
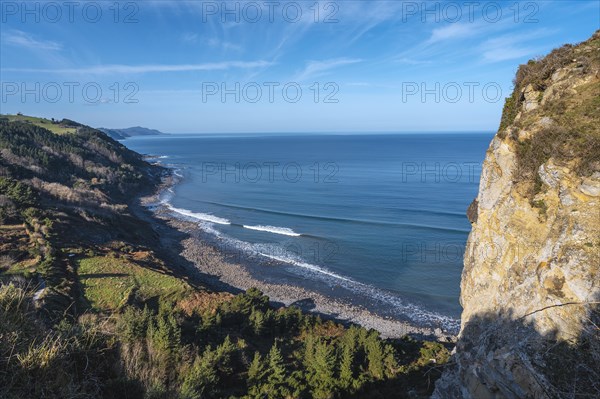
122, 134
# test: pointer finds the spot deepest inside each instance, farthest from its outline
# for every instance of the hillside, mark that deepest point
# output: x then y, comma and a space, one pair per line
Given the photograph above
529, 290
55, 126
91, 304
121, 134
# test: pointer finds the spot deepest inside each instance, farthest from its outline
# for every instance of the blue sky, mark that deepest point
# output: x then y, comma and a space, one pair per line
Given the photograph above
304, 66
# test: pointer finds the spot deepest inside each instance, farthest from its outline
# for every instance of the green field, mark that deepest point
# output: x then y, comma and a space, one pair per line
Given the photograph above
54, 127
108, 283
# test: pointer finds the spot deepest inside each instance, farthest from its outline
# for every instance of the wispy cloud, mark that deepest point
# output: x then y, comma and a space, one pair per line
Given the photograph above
508, 53
410, 61
189, 37
214, 42
137, 69
315, 68
22, 39
511, 46
452, 31
360, 18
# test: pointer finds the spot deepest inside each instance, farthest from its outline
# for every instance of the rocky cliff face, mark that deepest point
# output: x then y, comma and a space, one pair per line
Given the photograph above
531, 279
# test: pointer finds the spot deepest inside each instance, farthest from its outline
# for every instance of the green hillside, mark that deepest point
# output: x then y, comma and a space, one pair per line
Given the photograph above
58, 127
91, 307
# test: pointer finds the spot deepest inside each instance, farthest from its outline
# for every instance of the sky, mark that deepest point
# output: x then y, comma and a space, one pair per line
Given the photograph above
277, 66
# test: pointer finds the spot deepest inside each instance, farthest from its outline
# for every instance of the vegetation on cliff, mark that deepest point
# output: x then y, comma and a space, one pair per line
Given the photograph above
561, 89
531, 314
90, 306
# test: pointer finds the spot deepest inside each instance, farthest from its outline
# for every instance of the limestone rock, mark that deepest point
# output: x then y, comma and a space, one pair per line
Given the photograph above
532, 260
532, 98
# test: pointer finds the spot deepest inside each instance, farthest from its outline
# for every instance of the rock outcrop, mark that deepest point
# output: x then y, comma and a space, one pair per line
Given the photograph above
531, 279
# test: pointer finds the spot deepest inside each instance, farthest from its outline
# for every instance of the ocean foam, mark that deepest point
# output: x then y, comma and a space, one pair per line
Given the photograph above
199, 216
305, 265
275, 230
273, 251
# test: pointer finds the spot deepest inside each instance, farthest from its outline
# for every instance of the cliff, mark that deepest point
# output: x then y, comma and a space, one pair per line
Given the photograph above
530, 284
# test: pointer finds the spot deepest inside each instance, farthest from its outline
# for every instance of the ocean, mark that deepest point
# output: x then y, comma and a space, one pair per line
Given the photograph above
375, 219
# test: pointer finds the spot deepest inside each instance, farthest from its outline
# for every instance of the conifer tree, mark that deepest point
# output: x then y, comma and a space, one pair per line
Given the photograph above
322, 376
375, 356
202, 378
223, 355
257, 321
309, 351
276, 381
347, 365
256, 370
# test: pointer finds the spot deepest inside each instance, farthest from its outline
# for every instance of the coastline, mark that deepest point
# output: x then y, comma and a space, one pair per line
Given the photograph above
226, 270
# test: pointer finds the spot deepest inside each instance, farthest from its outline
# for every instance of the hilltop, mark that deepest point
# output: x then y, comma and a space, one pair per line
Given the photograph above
63, 126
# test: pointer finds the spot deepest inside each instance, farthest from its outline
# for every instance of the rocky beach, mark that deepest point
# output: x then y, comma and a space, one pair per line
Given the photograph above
224, 269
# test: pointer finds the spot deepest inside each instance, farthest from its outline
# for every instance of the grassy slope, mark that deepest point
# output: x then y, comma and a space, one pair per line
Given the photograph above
109, 283
54, 127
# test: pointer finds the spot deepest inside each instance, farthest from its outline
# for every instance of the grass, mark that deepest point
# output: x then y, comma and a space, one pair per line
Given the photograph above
14, 250
509, 113
24, 267
573, 138
109, 283
12, 227
54, 127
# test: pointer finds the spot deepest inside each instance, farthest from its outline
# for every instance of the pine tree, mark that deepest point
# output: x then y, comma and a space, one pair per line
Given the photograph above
256, 370
375, 356
347, 366
309, 351
350, 348
202, 378
257, 321
223, 355
166, 335
322, 376
389, 361
276, 381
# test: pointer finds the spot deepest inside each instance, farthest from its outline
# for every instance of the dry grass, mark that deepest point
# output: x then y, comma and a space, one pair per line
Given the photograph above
36, 362
201, 302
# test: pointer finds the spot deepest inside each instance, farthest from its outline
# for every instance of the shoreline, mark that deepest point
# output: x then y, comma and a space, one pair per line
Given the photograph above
227, 270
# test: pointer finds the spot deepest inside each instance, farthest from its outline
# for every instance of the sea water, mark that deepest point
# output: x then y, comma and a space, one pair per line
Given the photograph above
376, 219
